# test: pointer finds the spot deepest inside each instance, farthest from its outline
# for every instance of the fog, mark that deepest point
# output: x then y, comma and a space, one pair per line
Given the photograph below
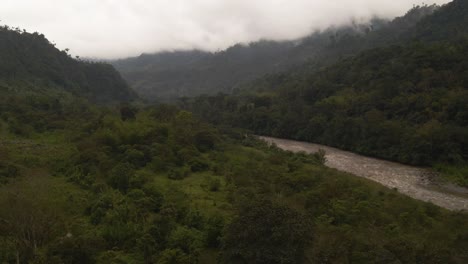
122, 28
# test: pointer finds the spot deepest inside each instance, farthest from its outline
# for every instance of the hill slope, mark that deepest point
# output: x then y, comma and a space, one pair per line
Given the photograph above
190, 73
406, 102
154, 184
30, 62
163, 187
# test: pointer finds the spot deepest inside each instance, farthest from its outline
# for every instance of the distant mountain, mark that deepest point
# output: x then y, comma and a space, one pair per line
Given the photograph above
187, 73
406, 102
28, 61
168, 75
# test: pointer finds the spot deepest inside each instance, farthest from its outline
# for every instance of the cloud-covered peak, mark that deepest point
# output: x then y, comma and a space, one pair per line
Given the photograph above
121, 28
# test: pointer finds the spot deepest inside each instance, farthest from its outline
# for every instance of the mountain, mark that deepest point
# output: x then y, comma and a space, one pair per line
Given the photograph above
406, 102
91, 183
187, 73
29, 62
168, 75
448, 23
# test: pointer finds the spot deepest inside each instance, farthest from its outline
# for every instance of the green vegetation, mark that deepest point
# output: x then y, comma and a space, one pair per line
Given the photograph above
169, 75
159, 186
28, 61
400, 103
406, 102
129, 183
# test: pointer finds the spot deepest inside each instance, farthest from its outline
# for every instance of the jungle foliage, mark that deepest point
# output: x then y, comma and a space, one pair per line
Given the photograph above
134, 184
28, 61
405, 102
131, 183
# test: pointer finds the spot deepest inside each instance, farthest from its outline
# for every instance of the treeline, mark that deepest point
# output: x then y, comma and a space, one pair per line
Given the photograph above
406, 102
156, 185
28, 61
403, 103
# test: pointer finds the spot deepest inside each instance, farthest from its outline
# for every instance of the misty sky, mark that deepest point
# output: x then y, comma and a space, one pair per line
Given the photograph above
122, 28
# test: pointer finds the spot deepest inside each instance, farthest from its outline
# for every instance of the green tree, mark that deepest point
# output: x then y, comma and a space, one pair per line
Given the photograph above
119, 177
265, 232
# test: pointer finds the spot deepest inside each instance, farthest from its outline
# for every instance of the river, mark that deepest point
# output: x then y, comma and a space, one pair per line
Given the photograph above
415, 182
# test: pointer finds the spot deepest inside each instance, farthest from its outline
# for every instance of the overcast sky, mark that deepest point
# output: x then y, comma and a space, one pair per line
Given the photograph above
122, 28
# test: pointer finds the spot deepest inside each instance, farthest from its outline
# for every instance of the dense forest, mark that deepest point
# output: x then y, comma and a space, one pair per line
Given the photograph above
405, 102
28, 61
88, 176
169, 75
400, 103
153, 184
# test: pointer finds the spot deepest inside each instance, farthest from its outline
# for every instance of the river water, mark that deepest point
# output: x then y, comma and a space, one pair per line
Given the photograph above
415, 182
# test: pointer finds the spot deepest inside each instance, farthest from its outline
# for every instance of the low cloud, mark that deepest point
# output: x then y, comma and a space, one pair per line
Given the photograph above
122, 28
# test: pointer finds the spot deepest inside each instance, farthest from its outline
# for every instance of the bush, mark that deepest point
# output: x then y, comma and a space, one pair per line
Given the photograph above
189, 240
172, 256
155, 196
8, 170
214, 231
158, 164
135, 157
265, 232
119, 233
198, 164
79, 176
179, 173
74, 250
214, 184
120, 176
205, 140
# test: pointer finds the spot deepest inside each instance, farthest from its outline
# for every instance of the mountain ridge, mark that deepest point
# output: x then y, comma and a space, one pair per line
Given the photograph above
405, 102
28, 61
169, 75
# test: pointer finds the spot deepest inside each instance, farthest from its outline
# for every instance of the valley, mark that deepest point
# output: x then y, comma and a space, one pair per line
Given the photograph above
108, 158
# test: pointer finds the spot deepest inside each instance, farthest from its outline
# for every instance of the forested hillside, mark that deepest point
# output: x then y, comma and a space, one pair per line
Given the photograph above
157, 185
448, 23
407, 102
169, 75
29, 62
86, 181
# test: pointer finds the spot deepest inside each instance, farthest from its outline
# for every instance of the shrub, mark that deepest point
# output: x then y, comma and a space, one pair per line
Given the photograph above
179, 173
214, 184
265, 232
119, 177
8, 170
198, 164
